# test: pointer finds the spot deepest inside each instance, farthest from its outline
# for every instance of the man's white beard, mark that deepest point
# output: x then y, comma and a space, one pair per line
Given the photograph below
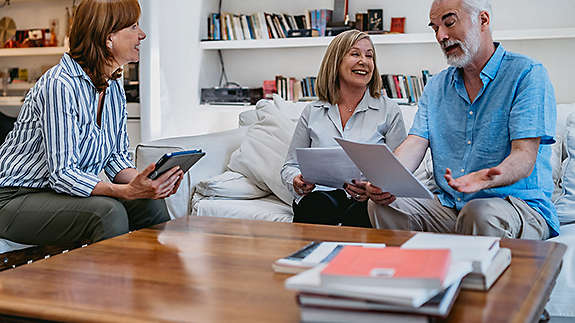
469, 46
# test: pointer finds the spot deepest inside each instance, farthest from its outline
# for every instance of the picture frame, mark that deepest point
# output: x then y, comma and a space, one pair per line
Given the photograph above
375, 19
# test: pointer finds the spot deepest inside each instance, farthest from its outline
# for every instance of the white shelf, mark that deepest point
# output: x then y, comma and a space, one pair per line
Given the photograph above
32, 51
387, 39
226, 107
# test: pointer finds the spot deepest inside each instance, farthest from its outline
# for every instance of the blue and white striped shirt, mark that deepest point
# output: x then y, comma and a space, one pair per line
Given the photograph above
56, 141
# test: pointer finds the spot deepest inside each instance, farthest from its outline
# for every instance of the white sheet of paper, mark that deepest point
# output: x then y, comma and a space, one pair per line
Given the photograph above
378, 163
328, 166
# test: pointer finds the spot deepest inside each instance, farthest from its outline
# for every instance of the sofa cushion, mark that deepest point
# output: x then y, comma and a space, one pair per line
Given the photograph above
561, 299
231, 185
566, 204
263, 150
268, 208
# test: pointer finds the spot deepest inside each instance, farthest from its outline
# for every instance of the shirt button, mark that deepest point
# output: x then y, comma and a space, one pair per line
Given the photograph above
469, 142
462, 170
459, 199
470, 112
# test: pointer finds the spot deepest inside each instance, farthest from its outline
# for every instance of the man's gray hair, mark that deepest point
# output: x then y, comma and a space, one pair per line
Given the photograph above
474, 7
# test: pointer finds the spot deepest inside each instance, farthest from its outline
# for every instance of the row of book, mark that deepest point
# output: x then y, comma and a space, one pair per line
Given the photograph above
403, 89
290, 88
406, 88
263, 25
417, 282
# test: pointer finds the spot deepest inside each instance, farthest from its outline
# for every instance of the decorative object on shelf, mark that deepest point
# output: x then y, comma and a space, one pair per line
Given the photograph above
53, 40
375, 19
340, 15
397, 25
7, 30
361, 21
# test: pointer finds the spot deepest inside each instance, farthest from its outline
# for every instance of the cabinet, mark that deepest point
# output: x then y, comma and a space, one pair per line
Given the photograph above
175, 70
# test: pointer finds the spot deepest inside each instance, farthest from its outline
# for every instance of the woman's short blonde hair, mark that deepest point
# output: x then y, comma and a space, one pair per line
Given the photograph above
327, 83
94, 21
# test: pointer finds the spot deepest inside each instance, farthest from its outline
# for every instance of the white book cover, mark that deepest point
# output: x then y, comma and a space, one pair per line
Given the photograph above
263, 26
310, 282
239, 33
478, 250
256, 26
245, 27
382, 168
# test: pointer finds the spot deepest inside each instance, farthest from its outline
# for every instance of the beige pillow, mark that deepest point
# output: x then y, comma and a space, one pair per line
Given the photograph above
263, 151
230, 185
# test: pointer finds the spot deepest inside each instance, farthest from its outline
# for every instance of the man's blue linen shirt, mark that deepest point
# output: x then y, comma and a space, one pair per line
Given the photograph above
517, 101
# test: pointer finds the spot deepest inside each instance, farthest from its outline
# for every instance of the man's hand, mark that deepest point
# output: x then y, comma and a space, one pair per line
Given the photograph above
302, 187
378, 196
473, 182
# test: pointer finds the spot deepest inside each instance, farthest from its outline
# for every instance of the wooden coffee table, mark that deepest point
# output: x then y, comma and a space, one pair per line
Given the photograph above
205, 269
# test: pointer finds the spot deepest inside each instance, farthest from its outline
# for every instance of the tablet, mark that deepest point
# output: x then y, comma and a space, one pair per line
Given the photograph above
185, 159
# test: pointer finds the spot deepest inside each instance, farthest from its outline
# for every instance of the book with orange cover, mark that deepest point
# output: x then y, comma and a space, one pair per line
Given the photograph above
390, 267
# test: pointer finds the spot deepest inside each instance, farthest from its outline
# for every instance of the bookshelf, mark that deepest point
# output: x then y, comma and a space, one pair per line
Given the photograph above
178, 70
32, 51
388, 39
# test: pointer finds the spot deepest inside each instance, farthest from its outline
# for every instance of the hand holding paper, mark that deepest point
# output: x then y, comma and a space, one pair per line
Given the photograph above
378, 163
329, 166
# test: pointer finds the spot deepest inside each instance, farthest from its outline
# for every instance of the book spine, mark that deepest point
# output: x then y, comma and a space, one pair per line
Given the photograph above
271, 27
218, 29
245, 28
266, 33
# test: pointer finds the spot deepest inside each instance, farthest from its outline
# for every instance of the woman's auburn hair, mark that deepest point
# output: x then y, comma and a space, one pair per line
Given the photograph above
327, 83
94, 21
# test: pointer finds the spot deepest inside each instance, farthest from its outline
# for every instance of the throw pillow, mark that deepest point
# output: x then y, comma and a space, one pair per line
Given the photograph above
262, 153
566, 204
230, 185
292, 110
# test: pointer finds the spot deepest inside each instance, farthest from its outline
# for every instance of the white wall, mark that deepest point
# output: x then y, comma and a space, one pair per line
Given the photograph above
176, 68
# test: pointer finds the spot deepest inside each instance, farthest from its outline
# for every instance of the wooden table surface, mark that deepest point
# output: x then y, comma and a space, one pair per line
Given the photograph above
202, 269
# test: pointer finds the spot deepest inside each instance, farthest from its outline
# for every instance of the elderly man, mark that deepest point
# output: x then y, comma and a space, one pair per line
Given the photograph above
489, 120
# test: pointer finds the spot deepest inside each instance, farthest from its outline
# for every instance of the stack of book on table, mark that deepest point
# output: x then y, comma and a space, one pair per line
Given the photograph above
418, 282
488, 260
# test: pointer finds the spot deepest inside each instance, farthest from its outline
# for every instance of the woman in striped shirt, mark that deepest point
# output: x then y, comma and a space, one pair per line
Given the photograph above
72, 126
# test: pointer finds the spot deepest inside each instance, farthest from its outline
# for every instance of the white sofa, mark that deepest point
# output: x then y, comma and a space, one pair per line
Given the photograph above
210, 189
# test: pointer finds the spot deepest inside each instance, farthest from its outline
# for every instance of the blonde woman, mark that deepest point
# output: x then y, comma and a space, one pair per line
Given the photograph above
72, 126
350, 106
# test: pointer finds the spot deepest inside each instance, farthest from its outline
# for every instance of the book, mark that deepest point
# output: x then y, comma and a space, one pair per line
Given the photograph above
484, 281
381, 167
438, 306
387, 267
309, 281
478, 250
312, 254
315, 314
